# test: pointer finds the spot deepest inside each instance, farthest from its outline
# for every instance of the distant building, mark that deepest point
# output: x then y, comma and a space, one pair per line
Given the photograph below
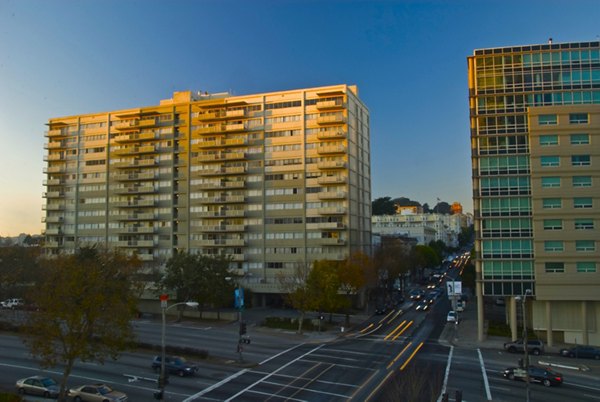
456, 208
271, 180
535, 135
408, 209
423, 227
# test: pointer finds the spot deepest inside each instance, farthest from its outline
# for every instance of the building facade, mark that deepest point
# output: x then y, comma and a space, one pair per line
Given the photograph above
535, 141
271, 180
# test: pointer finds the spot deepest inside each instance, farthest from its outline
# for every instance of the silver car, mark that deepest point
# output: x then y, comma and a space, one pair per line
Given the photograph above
38, 385
96, 393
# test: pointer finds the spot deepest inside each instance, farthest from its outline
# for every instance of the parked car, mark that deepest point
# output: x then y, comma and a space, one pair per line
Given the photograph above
539, 375
586, 352
452, 317
534, 346
461, 305
96, 393
175, 365
12, 303
38, 385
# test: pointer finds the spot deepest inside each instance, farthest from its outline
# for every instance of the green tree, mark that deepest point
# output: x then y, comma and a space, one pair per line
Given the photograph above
424, 257
86, 301
353, 274
324, 285
19, 267
383, 206
295, 289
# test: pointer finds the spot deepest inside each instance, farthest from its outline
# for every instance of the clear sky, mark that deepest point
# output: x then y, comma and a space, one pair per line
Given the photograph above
408, 58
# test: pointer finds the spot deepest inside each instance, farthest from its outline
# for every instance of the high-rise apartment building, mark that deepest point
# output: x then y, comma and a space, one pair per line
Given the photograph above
535, 140
271, 180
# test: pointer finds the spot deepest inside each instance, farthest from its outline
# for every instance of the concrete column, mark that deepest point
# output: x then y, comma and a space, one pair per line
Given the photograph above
549, 339
584, 327
479, 295
514, 333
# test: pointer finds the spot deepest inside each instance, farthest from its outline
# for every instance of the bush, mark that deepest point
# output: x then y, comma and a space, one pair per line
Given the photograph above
291, 324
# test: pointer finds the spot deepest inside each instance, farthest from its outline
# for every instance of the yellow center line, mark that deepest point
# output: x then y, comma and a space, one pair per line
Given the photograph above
386, 317
364, 329
401, 332
398, 356
411, 356
394, 331
395, 316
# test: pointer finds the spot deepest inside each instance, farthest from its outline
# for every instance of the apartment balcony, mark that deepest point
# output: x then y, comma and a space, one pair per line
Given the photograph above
333, 211
220, 228
53, 194
219, 185
57, 132
55, 145
148, 122
332, 195
53, 219
331, 149
331, 165
331, 135
53, 207
137, 229
238, 257
331, 119
330, 104
135, 190
222, 143
53, 157
222, 243
136, 137
235, 127
131, 204
327, 242
331, 180
55, 169
53, 231
125, 125
220, 171
51, 244
135, 164
135, 176
136, 243
209, 116
137, 217
235, 199
230, 213
211, 130
135, 150
326, 225
53, 182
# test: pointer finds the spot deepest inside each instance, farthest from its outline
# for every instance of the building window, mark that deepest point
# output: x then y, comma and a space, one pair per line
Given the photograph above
581, 160
582, 202
548, 140
552, 224
584, 224
586, 266
582, 181
550, 161
551, 203
547, 119
554, 267
578, 118
548, 182
585, 245
554, 245
580, 139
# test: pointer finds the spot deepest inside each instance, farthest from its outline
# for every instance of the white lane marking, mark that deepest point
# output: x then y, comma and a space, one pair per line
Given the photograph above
279, 354
340, 365
592, 396
217, 385
307, 379
446, 374
288, 386
274, 372
484, 374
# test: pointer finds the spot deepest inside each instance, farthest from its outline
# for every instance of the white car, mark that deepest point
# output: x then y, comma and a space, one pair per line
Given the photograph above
452, 317
12, 303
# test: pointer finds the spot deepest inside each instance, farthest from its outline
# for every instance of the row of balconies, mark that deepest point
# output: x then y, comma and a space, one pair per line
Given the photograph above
219, 185
135, 163
222, 243
53, 194
218, 228
227, 199
136, 176
146, 149
136, 217
136, 137
229, 213
331, 165
220, 143
137, 123
221, 171
222, 128
219, 157
135, 190
221, 115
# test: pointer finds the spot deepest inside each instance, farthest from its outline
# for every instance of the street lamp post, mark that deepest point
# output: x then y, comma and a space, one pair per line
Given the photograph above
525, 350
162, 378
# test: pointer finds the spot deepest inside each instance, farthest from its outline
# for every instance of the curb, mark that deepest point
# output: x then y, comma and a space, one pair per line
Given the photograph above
564, 366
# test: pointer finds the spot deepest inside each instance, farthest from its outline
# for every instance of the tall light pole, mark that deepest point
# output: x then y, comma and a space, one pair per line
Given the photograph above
163, 305
525, 350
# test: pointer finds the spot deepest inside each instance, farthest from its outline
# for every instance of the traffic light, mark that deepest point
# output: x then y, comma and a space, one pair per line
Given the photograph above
243, 329
445, 397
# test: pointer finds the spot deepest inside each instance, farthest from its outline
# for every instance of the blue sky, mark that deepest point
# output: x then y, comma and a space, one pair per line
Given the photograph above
408, 58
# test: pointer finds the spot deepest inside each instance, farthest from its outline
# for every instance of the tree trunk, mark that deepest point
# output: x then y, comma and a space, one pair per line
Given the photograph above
300, 322
62, 396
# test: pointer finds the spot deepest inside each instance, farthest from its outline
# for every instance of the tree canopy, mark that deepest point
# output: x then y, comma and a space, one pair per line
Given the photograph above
86, 302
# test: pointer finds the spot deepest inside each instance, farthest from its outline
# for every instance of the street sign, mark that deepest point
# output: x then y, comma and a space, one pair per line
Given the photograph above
454, 288
238, 294
163, 300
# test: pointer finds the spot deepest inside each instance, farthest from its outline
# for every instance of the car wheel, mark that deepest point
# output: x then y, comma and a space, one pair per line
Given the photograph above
181, 373
21, 391
511, 376
512, 349
597, 357
77, 399
536, 352
46, 394
547, 383
571, 355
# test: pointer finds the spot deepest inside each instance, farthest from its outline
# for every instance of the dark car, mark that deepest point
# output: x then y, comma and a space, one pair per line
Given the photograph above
586, 352
416, 294
175, 365
38, 385
539, 375
534, 346
422, 306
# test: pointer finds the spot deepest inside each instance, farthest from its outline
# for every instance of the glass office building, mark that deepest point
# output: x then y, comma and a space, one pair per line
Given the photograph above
535, 141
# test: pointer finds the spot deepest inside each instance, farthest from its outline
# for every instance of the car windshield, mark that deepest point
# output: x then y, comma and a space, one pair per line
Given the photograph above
48, 382
180, 360
104, 389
